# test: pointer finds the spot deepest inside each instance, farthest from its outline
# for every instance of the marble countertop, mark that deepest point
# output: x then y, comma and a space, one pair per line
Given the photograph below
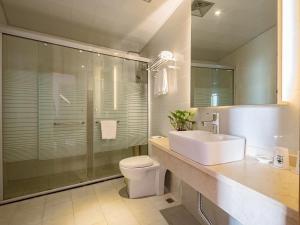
280, 185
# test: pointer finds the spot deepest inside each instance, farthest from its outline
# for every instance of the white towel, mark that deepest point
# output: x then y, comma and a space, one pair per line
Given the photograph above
108, 129
161, 86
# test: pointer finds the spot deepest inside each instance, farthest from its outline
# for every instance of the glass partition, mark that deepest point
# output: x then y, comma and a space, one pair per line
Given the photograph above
54, 99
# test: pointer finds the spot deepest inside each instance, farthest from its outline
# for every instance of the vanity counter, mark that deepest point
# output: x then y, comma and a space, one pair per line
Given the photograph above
279, 188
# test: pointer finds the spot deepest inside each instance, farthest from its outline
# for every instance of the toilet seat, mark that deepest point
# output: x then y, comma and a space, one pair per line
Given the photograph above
137, 162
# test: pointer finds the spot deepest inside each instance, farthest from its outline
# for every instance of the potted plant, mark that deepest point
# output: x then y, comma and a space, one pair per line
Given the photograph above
181, 120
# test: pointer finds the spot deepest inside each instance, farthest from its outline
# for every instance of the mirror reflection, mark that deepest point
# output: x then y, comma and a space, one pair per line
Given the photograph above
234, 52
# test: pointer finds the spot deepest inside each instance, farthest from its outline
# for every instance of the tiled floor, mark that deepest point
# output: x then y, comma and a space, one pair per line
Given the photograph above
97, 204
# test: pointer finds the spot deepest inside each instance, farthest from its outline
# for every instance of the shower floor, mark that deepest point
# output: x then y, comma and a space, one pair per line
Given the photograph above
21, 187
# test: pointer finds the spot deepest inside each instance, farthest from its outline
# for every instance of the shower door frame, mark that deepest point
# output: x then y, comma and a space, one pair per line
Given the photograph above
22, 33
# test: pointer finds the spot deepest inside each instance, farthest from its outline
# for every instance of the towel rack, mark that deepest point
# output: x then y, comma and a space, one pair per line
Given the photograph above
161, 59
98, 122
68, 123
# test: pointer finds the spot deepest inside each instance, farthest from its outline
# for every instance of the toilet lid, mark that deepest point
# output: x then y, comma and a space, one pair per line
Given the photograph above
137, 162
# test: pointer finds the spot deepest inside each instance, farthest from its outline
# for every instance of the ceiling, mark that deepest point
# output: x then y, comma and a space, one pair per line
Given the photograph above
119, 24
214, 37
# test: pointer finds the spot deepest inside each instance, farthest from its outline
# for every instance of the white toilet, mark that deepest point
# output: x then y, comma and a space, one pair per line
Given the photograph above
143, 176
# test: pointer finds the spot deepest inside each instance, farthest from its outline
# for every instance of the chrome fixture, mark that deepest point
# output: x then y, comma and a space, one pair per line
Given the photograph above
69, 123
99, 122
214, 123
200, 8
161, 59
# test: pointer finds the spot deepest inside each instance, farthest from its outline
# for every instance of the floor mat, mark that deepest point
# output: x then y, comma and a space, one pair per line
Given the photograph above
178, 215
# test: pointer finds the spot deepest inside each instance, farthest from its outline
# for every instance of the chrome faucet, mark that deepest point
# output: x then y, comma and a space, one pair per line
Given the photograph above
214, 123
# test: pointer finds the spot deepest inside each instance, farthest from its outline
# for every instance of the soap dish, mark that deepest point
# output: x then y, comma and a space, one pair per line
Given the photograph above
157, 137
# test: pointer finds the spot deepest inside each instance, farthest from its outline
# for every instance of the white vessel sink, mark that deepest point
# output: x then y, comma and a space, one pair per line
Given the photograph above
207, 148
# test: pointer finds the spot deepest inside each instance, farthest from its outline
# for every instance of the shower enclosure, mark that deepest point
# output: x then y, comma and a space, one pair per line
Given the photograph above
53, 101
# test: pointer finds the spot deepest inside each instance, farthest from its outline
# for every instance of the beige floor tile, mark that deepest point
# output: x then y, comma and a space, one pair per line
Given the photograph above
59, 210
85, 204
159, 202
116, 212
108, 196
7, 212
59, 197
139, 205
83, 192
33, 202
65, 220
89, 217
97, 204
28, 215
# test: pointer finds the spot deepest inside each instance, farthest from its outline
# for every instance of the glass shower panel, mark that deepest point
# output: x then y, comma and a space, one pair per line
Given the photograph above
44, 116
62, 114
54, 99
120, 94
137, 105
20, 117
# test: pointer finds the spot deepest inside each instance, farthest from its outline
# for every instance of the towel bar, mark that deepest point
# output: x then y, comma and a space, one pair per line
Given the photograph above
107, 119
68, 123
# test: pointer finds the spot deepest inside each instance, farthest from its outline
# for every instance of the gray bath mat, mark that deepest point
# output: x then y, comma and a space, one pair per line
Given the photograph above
178, 215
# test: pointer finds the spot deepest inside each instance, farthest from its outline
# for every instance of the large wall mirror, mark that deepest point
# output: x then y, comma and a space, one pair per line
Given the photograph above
234, 52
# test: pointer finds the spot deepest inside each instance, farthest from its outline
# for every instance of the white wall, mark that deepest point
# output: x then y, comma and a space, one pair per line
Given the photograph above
255, 66
175, 36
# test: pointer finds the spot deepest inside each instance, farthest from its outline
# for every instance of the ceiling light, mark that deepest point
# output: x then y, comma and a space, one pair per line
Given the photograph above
218, 13
80, 50
82, 66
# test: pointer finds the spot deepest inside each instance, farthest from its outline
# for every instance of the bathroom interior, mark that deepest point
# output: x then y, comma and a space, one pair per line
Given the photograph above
149, 112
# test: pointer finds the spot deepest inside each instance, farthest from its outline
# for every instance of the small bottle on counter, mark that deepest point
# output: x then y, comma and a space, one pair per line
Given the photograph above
281, 158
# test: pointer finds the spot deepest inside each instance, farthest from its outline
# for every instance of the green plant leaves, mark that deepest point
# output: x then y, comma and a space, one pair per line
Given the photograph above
181, 120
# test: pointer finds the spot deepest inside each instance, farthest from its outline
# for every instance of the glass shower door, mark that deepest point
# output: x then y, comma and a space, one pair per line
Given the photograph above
44, 116
54, 99
120, 94
62, 113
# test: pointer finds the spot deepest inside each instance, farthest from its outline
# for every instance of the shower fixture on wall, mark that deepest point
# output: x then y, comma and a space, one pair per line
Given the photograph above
200, 8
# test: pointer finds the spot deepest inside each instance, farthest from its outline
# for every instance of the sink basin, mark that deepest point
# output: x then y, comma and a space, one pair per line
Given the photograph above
207, 148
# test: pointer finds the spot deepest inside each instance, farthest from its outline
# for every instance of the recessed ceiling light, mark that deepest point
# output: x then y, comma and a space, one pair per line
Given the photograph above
98, 54
80, 50
218, 13
82, 66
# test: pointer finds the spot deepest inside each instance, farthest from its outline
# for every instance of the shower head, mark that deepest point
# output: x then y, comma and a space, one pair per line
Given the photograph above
200, 8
